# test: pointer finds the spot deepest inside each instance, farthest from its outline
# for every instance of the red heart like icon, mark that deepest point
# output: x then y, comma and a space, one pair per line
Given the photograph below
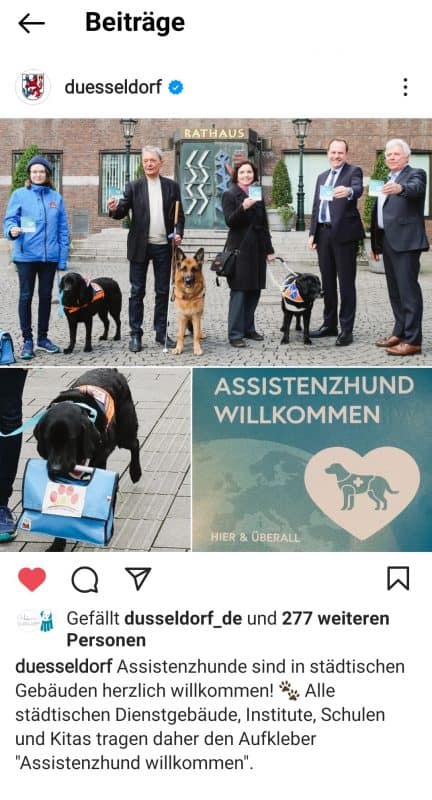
32, 578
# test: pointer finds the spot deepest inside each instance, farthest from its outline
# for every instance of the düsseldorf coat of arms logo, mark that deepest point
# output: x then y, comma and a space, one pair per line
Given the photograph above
32, 86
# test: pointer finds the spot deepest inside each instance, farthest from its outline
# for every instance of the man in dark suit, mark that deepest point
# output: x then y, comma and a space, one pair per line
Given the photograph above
335, 231
398, 232
153, 202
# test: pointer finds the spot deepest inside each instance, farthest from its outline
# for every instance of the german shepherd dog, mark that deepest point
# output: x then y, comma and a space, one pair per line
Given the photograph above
189, 290
82, 300
299, 293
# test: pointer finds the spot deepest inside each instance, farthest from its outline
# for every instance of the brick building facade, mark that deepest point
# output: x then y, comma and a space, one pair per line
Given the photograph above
81, 147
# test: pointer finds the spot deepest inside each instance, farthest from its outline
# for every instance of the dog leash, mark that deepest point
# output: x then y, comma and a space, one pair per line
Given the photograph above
275, 283
34, 420
61, 311
25, 426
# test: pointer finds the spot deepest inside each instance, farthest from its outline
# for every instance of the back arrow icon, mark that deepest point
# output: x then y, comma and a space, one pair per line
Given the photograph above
25, 21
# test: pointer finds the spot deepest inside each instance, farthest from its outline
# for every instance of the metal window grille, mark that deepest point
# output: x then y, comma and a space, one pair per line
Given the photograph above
114, 167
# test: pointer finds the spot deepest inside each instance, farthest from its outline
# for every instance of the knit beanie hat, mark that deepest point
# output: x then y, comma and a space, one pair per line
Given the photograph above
40, 160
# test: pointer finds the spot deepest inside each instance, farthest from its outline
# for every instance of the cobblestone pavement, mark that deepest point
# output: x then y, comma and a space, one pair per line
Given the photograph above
374, 319
153, 514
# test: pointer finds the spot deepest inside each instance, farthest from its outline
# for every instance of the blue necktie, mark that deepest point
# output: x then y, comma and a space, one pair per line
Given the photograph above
325, 203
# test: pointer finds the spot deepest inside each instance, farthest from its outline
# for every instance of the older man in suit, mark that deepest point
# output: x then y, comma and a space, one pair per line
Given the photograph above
153, 201
398, 232
335, 231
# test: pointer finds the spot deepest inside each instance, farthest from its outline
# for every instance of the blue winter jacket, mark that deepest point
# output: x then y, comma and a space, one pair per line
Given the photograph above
50, 240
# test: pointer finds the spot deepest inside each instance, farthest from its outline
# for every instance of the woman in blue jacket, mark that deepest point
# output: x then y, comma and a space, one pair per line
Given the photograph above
36, 221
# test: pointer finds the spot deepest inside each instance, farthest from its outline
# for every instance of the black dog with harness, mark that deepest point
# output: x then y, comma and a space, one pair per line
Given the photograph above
82, 300
85, 423
299, 292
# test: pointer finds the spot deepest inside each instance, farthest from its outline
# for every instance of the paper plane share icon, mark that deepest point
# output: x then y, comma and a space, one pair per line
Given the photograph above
139, 574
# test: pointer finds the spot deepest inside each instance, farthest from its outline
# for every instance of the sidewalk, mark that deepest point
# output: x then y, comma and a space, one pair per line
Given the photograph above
153, 514
374, 320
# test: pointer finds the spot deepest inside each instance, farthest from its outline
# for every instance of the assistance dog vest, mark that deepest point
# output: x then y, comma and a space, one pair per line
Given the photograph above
98, 294
80, 510
291, 296
103, 399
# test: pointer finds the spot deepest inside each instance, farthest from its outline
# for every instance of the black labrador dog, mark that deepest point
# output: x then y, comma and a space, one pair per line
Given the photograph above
82, 300
70, 434
299, 293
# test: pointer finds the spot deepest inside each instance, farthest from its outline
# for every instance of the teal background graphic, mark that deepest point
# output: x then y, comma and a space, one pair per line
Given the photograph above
248, 480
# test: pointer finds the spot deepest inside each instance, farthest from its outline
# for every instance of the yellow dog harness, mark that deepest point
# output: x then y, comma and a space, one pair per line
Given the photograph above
103, 399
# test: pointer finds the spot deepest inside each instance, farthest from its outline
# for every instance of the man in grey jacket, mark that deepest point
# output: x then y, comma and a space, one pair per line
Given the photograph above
398, 232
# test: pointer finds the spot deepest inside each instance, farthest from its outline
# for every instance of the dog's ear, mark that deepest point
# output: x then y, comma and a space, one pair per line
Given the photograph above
199, 257
180, 256
84, 290
38, 433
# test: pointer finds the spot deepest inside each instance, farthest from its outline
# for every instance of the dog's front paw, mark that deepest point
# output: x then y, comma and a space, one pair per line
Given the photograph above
68, 350
178, 350
116, 338
103, 338
307, 341
88, 348
198, 351
284, 340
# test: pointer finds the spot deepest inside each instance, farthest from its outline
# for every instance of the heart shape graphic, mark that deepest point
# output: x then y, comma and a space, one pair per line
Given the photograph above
32, 578
362, 494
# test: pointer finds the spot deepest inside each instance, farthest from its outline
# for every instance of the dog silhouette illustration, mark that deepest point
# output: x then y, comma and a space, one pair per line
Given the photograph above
350, 484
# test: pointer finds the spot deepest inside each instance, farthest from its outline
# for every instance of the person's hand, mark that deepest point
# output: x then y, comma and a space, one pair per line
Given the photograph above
311, 243
375, 256
392, 188
248, 202
112, 203
271, 257
15, 232
177, 239
341, 191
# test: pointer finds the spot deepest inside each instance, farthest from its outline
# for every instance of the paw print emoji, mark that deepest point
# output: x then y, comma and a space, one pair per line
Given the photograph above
285, 686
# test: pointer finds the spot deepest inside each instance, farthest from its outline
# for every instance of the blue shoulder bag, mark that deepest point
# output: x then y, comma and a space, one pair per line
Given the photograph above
80, 509
6, 349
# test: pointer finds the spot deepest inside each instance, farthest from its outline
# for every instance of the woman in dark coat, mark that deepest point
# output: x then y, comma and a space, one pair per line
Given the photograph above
249, 233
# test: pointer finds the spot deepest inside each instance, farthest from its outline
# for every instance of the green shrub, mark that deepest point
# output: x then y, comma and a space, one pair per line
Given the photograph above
379, 173
286, 214
281, 187
20, 175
